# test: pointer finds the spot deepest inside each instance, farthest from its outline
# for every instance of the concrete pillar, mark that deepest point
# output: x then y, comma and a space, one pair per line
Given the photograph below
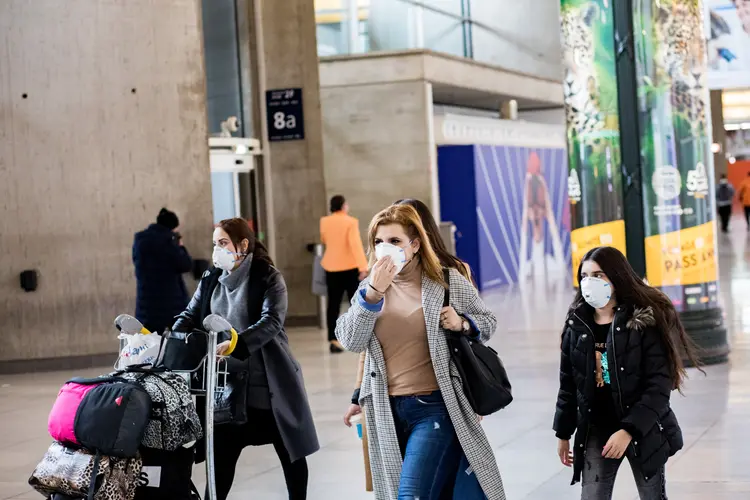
379, 145
292, 187
509, 110
102, 123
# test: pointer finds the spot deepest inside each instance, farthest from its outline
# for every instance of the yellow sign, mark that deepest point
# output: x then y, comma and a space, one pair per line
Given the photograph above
337, 11
611, 234
685, 257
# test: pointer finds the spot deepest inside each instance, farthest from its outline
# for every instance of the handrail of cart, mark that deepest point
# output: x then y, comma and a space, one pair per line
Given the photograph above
222, 370
210, 382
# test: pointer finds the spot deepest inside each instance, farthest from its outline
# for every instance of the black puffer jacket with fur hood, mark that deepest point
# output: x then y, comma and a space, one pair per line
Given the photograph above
641, 386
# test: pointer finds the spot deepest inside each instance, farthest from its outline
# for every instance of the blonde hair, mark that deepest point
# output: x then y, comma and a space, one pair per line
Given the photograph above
408, 218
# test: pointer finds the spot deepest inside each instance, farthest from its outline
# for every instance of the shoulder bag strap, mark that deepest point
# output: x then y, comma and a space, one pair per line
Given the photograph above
208, 284
114, 377
447, 296
94, 473
146, 369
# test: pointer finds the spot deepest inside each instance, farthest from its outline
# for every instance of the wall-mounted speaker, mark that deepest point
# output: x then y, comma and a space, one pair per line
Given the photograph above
30, 280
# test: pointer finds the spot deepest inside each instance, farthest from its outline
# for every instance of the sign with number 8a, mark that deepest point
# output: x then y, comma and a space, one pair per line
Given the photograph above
282, 121
284, 113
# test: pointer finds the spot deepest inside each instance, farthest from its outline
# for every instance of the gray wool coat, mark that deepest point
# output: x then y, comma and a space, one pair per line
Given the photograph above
266, 301
355, 331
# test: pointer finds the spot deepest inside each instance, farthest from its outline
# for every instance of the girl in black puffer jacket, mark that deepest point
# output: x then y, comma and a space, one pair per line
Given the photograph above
622, 349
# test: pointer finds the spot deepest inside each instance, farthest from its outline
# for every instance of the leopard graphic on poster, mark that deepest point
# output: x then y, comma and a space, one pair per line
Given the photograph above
674, 125
593, 132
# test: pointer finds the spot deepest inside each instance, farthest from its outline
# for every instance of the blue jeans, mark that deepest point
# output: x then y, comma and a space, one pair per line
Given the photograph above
434, 467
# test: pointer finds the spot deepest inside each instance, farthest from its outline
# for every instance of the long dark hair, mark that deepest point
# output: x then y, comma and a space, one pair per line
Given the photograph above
632, 291
433, 233
238, 230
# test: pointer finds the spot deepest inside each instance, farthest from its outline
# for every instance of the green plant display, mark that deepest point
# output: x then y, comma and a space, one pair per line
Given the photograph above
593, 132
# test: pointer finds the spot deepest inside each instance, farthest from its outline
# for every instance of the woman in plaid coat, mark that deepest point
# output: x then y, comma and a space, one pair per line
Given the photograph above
424, 437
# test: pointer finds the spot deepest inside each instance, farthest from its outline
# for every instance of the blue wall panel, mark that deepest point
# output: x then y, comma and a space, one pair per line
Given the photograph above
518, 199
458, 199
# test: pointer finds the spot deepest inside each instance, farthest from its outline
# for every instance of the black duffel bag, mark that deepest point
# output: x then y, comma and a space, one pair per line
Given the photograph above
110, 419
166, 475
483, 376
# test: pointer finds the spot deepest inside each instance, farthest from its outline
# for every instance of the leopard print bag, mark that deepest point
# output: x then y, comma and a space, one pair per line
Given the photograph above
68, 471
174, 420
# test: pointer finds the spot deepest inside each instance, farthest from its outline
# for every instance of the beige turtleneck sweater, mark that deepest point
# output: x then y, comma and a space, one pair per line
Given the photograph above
402, 333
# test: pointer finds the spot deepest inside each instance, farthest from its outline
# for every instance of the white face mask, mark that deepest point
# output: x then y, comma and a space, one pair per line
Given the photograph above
398, 255
596, 292
225, 259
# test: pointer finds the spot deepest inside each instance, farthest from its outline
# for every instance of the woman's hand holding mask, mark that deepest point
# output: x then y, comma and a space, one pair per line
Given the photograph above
381, 277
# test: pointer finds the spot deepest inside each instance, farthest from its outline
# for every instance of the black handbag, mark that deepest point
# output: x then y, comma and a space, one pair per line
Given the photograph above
182, 351
230, 405
483, 376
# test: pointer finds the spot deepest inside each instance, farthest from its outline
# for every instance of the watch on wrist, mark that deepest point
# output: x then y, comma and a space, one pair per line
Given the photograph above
465, 325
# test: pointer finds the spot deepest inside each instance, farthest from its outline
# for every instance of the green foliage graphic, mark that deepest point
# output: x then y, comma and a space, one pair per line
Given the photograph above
591, 108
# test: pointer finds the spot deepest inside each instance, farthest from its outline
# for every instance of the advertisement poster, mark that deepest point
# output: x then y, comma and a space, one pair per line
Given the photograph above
522, 212
593, 134
727, 30
678, 175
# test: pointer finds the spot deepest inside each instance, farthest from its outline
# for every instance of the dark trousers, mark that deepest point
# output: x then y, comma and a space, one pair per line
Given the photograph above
747, 215
261, 428
725, 213
339, 283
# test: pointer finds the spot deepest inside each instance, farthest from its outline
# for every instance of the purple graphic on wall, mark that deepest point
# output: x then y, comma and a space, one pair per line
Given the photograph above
511, 210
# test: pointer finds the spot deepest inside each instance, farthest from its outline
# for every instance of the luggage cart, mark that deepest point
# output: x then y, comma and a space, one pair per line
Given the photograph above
214, 371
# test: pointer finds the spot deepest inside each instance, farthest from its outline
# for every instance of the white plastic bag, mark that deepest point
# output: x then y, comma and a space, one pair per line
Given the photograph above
139, 350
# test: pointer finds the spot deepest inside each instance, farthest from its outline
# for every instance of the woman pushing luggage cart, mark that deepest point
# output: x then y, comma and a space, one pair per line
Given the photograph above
263, 400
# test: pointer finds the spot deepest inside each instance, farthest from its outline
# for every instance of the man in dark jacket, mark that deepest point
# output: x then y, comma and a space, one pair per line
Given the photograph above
724, 199
160, 259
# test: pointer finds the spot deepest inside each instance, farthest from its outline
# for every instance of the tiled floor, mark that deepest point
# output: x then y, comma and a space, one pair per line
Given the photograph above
715, 412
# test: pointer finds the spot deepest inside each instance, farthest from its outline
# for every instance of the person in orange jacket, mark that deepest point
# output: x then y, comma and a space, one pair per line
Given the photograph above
344, 261
744, 195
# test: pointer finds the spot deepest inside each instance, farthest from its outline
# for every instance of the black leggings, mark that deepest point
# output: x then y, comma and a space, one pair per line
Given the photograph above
261, 429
